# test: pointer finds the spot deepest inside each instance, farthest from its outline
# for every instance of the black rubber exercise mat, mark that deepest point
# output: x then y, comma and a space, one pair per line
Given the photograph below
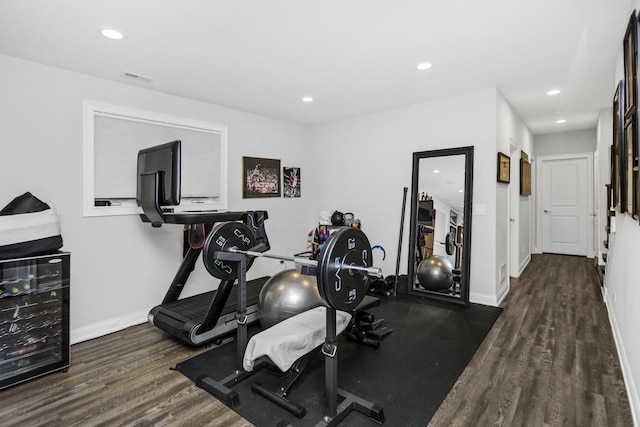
409, 375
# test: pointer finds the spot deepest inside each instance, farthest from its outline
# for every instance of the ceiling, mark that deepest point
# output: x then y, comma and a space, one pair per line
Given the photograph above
352, 56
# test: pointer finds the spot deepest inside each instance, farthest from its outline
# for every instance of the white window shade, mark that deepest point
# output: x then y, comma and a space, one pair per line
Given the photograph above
113, 137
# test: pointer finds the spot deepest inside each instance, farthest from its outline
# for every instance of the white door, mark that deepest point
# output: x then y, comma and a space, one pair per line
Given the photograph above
565, 224
514, 211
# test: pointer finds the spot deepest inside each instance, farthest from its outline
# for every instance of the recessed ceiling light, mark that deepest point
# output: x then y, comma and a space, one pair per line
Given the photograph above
139, 77
436, 171
112, 33
460, 191
553, 92
307, 99
424, 66
561, 121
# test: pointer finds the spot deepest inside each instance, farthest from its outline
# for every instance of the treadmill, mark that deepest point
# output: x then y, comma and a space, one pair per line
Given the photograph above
209, 316
212, 315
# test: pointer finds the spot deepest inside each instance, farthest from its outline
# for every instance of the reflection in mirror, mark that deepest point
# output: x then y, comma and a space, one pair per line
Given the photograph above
439, 252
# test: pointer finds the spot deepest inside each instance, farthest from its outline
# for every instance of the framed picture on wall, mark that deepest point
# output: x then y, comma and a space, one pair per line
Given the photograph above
636, 178
260, 177
525, 178
630, 46
504, 168
616, 155
630, 135
632, 172
291, 182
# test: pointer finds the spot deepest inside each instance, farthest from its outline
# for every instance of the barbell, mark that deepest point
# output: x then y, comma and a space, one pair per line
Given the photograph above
342, 272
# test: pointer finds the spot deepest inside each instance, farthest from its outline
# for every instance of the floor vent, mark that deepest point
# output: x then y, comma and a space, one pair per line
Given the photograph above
503, 272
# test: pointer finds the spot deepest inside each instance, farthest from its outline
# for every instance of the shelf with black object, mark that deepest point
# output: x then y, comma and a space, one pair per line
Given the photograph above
34, 317
426, 229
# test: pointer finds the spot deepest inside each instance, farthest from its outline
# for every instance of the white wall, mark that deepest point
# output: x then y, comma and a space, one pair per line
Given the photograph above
120, 267
572, 142
371, 157
622, 293
513, 247
605, 140
622, 296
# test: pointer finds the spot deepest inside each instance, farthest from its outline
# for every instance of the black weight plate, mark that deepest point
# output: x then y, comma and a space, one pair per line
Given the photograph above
224, 236
450, 243
339, 286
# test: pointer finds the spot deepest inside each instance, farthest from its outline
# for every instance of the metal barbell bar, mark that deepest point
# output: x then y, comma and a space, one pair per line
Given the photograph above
369, 271
342, 272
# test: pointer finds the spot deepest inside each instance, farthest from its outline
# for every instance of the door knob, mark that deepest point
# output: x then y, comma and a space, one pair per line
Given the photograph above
546, 211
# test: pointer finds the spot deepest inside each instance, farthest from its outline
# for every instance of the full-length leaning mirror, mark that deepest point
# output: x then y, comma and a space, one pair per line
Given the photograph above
440, 233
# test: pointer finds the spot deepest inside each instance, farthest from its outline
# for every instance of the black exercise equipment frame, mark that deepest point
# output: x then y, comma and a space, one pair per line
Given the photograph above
339, 402
355, 331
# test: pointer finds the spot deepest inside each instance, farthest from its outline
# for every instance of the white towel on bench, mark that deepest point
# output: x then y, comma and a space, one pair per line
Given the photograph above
287, 341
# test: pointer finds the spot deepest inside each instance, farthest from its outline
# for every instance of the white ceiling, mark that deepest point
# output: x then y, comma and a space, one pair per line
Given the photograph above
352, 56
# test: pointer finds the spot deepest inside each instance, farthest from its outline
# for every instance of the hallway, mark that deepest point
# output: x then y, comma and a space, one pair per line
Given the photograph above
550, 359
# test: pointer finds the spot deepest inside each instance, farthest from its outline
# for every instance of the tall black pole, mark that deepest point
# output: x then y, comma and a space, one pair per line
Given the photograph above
404, 205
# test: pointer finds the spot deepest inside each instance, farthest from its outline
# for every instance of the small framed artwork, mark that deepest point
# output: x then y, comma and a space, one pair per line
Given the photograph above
631, 175
504, 168
616, 155
260, 177
291, 182
453, 218
525, 178
630, 46
629, 163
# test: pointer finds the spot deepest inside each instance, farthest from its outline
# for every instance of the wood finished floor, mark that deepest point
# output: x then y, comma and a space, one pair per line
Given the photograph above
550, 360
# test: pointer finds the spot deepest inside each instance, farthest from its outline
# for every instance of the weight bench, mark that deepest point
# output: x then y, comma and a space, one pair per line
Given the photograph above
290, 345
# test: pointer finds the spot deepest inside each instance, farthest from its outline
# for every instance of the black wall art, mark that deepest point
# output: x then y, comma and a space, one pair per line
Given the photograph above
260, 177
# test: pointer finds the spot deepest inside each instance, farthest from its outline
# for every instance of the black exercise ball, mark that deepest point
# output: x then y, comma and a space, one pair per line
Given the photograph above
337, 218
435, 273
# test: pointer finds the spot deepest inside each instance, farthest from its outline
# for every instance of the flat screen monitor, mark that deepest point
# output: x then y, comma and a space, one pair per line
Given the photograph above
165, 160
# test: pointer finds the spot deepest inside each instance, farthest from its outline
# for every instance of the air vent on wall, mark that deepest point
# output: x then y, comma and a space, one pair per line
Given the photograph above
139, 77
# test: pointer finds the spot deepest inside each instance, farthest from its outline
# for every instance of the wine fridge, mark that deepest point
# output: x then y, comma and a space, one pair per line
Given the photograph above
34, 317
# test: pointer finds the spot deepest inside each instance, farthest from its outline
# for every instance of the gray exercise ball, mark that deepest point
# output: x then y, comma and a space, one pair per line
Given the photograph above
286, 294
435, 273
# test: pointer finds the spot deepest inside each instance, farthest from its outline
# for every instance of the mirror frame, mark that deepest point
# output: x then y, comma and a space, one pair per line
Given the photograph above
463, 299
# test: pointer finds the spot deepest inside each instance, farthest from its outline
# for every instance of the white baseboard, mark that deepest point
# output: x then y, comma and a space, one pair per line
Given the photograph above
503, 292
524, 264
632, 391
99, 329
483, 299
